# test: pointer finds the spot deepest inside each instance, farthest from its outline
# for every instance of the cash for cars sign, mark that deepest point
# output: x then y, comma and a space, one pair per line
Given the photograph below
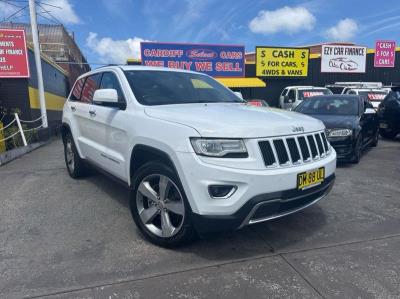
13, 54
281, 62
343, 59
385, 53
214, 60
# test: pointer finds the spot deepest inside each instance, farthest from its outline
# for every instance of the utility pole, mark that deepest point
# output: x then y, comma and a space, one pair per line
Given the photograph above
36, 49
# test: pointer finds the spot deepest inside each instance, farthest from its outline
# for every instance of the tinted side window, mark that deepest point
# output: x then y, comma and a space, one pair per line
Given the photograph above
110, 80
91, 85
292, 95
76, 92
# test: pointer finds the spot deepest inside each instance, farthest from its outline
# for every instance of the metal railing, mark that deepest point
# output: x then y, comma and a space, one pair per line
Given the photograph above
21, 131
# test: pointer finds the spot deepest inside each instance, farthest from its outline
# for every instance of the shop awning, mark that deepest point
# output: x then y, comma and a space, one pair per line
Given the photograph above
241, 82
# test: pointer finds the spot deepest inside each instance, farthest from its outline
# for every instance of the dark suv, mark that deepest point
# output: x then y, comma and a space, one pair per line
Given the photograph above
389, 114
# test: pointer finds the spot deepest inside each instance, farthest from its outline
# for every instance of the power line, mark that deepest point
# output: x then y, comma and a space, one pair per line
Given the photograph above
48, 4
14, 13
48, 12
10, 3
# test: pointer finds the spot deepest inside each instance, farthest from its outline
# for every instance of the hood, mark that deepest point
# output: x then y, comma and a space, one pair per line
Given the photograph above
337, 121
234, 120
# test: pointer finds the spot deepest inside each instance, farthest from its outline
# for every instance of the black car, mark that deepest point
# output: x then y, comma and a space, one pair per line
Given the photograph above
389, 114
350, 120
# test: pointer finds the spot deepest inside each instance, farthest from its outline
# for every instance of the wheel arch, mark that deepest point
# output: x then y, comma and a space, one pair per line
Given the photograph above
142, 154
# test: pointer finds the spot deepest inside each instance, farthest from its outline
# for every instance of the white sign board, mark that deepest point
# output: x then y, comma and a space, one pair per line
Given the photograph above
343, 59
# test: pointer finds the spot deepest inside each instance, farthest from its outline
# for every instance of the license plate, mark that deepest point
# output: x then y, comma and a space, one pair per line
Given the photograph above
310, 178
383, 125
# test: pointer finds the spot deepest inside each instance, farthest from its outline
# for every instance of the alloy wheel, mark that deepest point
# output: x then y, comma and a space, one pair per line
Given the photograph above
160, 205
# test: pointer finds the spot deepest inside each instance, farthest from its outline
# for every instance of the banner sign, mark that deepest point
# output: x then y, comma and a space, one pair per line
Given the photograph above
281, 62
214, 60
385, 53
13, 54
343, 59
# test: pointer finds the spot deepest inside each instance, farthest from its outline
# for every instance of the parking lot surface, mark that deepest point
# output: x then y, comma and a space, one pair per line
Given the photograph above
65, 238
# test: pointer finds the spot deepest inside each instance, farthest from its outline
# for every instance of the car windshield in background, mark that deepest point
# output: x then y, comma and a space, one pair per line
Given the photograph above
373, 95
305, 94
330, 105
169, 87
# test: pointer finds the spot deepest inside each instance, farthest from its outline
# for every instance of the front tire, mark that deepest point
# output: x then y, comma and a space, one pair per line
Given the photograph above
159, 206
75, 165
357, 150
376, 139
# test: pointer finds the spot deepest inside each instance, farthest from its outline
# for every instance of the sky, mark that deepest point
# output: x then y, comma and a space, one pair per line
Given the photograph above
110, 31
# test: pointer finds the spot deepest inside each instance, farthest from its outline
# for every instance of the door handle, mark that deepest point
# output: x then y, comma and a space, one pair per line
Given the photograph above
73, 108
92, 113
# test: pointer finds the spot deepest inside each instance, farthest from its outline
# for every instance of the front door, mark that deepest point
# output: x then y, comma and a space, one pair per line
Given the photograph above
109, 127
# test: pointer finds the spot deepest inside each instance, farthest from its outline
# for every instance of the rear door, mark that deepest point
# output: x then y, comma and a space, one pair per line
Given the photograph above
109, 127
82, 98
88, 140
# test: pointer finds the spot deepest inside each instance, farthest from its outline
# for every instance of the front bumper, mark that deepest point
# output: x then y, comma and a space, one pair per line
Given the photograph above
264, 207
197, 174
344, 147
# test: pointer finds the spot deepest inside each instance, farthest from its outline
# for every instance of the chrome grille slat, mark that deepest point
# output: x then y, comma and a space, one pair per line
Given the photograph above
293, 150
325, 142
313, 146
319, 145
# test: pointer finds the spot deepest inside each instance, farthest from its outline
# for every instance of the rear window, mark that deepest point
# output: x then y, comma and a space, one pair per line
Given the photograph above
330, 106
76, 92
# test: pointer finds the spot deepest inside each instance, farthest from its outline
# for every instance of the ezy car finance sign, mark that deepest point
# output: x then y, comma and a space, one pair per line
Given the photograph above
343, 59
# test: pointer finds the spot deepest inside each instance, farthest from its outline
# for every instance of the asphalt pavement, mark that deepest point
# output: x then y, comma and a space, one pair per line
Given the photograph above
65, 238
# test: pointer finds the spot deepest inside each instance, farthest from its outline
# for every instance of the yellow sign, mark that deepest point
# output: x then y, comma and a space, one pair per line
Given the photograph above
281, 62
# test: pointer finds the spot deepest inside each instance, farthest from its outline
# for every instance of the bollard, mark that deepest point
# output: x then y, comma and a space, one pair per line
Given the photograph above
20, 129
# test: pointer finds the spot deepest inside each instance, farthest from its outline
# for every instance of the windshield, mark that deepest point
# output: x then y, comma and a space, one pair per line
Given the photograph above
373, 95
169, 87
308, 93
329, 105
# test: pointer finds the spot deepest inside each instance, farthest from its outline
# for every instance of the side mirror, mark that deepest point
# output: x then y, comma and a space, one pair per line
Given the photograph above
108, 97
238, 94
369, 111
105, 96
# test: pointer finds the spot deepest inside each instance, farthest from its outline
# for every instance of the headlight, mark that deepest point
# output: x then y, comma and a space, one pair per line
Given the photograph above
339, 132
218, 147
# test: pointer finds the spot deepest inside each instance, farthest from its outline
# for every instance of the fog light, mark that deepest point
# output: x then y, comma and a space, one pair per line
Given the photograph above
221, 191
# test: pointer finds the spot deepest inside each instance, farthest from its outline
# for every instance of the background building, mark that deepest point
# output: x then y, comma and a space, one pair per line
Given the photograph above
57, 44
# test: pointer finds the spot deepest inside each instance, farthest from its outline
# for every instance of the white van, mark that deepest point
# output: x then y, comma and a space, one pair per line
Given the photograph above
292, 96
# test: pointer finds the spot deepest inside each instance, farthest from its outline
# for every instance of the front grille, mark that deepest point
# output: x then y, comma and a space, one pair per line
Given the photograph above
319, 143
267, 153
281, 151
286, 151
294, 151
313, 147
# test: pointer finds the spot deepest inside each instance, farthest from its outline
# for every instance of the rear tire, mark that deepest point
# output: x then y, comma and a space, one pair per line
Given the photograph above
388, 134
75, 165
159, 206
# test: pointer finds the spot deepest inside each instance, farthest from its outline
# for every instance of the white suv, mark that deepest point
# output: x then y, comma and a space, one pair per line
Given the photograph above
195, 156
